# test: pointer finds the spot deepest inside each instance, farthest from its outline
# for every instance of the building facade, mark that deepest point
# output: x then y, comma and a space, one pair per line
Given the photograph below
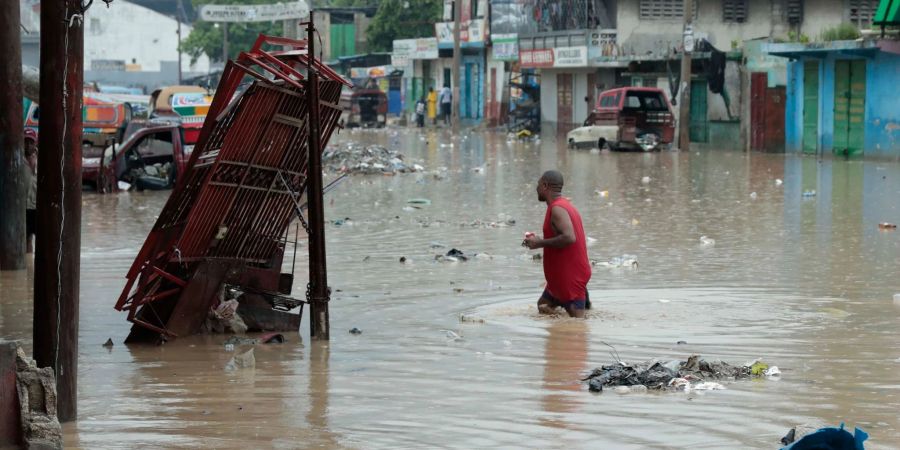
836, 98
120, 50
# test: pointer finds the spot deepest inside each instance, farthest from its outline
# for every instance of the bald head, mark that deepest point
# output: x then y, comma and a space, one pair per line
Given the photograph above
554, 179
550, 185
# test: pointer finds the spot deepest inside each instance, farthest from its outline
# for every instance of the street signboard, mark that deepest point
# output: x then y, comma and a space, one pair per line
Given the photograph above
254, 13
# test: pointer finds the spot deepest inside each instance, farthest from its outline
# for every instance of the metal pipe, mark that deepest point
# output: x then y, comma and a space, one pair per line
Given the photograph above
13, 190
58, 249
318, 279
684, 107
457, 57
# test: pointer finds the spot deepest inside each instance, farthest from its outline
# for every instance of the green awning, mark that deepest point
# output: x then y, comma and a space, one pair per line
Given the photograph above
888, 13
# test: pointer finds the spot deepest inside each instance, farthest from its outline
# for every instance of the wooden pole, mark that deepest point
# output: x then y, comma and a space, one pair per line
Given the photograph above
58, 246
12, 160
318, 279
457, 57
684, 106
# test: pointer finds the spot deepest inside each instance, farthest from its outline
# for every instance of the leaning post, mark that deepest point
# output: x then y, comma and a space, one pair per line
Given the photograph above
318, 279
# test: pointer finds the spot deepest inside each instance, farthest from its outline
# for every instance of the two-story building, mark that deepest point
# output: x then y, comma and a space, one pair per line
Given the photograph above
581, 47
119, 50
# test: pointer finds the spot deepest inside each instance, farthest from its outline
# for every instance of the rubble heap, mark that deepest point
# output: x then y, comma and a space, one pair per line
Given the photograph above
693, 374
353, 157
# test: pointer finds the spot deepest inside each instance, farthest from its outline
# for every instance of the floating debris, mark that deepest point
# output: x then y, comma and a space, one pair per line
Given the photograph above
355, 330
695, 374
887, 226
353, 157
624, 261
707, 241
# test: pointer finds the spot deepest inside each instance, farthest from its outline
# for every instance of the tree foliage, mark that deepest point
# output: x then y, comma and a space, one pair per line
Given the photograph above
402, 19
208, 38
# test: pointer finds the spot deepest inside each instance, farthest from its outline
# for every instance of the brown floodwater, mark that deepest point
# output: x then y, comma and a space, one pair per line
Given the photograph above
805, 283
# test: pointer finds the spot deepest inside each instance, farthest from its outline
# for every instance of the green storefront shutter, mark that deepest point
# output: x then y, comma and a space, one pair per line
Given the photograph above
699, 123
810, 107
849, 107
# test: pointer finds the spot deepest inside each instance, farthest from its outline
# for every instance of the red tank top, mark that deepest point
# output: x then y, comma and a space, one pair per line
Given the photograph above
566, 269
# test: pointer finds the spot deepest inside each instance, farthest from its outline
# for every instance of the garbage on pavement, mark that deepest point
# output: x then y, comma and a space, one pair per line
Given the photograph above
353, 157
695, 374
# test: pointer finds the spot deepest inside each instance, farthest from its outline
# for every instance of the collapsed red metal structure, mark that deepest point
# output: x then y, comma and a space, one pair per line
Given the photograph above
227, 219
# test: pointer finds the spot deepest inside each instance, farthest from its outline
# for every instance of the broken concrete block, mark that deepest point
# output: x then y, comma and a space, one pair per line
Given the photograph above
36, 388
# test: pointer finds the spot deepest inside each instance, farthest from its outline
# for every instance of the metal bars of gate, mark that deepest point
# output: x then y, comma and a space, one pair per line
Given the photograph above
232, 204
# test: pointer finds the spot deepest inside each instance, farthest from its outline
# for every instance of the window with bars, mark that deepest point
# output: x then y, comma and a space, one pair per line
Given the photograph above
862, 11
794, 11
734, 11
663, 9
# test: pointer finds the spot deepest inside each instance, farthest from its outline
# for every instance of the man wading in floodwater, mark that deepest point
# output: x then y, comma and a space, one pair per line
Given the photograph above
566, 265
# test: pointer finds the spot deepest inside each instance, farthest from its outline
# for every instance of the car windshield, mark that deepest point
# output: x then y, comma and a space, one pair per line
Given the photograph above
645, 101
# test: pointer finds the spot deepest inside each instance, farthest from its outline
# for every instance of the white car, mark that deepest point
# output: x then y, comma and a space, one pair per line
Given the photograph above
592, 136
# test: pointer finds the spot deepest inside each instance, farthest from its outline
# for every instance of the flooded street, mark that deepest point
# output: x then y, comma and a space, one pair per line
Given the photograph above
806, 283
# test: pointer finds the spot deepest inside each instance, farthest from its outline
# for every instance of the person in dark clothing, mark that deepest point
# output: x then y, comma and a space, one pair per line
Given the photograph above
420, 112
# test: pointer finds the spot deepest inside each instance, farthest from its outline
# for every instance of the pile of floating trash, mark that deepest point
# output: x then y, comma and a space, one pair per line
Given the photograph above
353, 157
695, 374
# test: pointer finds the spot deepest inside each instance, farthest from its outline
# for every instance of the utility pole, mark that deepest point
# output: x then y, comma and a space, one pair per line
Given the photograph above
179, 50
318, 279
178, 18
454, 105
12, 161
684, 107
224, 44
58, 241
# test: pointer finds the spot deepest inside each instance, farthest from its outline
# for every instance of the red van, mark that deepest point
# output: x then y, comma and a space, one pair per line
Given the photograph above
631, 118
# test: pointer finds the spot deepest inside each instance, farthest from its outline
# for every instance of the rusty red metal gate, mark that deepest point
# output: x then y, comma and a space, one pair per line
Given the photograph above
767, 109
228, 217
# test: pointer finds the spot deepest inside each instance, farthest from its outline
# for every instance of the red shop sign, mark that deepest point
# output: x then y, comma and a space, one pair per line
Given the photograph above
536, 58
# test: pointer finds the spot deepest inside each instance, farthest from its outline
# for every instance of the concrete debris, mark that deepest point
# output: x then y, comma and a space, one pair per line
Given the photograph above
694, 374
353, 157
244, 360
37, 404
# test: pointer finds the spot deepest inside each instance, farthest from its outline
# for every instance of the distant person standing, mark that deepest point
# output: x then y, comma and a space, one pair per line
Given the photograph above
446, 98
31, 180
420, 112
432, 106
566, 266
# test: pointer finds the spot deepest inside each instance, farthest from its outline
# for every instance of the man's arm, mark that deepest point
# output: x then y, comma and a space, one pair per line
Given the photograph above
565, 231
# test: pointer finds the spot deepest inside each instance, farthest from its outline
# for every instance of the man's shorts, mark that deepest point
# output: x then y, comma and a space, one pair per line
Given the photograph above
574, 304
